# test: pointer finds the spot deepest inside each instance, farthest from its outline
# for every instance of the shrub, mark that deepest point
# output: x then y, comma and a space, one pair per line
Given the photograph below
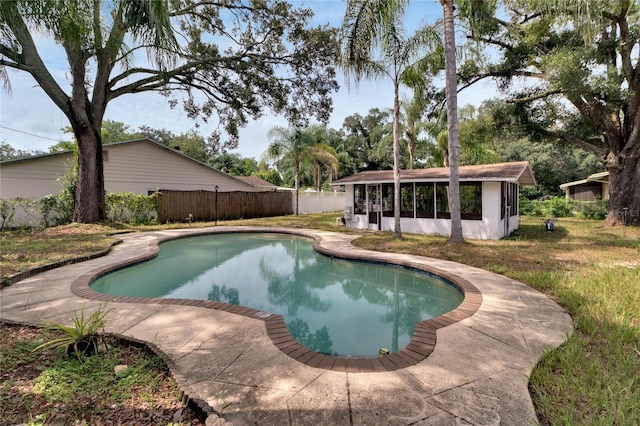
530, 207
131, 208
597, 210
58, 209
558, 207
7, 210
55, 209
549, 207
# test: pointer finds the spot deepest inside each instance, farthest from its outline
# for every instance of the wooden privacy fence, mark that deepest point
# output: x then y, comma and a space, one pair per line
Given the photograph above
175, 206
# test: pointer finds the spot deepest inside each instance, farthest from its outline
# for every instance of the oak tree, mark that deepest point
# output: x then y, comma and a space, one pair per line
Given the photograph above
227, 61
578, 81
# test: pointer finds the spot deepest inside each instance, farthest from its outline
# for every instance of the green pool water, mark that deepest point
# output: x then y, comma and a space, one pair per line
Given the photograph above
332, 306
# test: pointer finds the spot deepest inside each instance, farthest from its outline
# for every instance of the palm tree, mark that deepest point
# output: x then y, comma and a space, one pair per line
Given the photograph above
294, 145
417, 79
438, 133
476, 14
367, 26
320, 137
452, 120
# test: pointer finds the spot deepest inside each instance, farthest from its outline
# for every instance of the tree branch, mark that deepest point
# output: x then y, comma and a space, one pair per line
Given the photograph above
191, 9
534, 97
500, 43
597, 151
31, 61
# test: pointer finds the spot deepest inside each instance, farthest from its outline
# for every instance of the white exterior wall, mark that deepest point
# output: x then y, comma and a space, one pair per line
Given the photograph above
358, 221
491, 227
491, 205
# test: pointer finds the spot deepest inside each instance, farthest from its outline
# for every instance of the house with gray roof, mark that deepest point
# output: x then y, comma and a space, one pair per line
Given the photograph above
141, 166
595, 187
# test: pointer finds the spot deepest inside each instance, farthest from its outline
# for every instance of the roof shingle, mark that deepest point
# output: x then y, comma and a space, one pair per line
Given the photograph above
519, 172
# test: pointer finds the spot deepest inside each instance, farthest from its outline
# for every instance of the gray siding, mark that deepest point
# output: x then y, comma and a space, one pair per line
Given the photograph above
138, 166
34, 178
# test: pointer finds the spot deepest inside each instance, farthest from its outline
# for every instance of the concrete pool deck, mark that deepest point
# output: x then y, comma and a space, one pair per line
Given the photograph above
477, 373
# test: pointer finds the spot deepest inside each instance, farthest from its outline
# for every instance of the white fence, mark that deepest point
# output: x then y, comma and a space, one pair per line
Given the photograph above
319, 202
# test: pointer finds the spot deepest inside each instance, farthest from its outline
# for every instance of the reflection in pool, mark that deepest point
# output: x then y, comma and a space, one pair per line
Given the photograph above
332, 306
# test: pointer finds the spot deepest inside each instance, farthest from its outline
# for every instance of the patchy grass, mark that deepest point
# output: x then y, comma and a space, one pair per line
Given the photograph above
27, 249
43, 387
592, 271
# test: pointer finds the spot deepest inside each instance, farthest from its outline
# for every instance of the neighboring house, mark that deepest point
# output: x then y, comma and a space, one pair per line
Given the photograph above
140, 166
258, 182
594, 187
488, 199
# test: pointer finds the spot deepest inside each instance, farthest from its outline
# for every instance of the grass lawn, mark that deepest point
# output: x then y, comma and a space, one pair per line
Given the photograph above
592, 271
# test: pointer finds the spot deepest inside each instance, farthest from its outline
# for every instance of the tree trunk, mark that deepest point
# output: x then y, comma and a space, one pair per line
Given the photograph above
624, 191
452, 121
411, 141
397, 233
297, 184
89, 200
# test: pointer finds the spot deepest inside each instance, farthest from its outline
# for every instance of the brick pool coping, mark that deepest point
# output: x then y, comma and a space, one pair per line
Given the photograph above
422, 343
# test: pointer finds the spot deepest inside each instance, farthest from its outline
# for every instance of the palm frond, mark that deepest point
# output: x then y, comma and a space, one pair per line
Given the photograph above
150, 23
360, 33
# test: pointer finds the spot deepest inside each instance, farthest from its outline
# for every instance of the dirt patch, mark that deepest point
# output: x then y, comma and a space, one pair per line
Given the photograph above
22, 400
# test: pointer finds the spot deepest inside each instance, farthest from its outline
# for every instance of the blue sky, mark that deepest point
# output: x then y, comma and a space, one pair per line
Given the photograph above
28, 110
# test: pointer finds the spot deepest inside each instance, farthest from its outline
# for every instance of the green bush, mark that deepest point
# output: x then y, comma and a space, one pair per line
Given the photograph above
55, 209
557, 207
553, 207
596, 211
7, 210
530, 207
131, 208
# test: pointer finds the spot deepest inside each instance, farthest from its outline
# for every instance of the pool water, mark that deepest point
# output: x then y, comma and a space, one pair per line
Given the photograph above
336, 307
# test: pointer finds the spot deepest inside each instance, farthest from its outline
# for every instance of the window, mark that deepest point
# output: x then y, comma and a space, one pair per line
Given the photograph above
424, 200
503, 198
387, 199
359, 199
471, 200
509, 198
442, 200
406, 200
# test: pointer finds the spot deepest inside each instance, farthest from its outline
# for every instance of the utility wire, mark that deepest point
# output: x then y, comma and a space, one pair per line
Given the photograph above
30, 134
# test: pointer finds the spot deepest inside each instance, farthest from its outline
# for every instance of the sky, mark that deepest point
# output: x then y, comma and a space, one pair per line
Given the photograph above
30, 121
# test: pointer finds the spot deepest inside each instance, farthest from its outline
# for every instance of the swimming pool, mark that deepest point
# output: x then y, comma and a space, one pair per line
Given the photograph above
332, 306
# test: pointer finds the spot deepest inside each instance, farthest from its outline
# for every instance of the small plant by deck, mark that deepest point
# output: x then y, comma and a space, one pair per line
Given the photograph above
42, 388
83, 338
